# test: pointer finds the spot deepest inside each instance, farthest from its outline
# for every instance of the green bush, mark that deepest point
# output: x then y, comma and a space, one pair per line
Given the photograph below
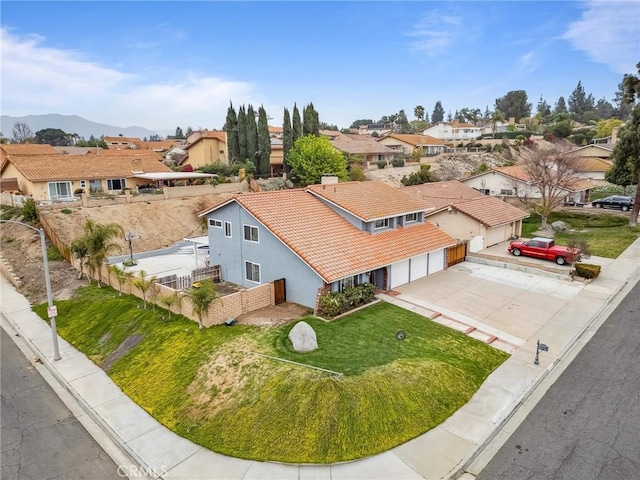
397, 162
336, 303
587, 270
53, 254
30, 211
356, 173
66, 211
381, 164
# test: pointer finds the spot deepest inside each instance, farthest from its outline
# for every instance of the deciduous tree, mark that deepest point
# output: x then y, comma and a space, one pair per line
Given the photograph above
312, 156
21, 133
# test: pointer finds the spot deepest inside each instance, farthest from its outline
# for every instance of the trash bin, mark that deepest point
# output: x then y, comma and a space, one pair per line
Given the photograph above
230, 322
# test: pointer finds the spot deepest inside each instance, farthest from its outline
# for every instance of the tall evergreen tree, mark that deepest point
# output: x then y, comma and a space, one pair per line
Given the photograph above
179, 133
561, 106
264, 143
543, 107
233, 138
252, 136
311, 121
623, 109
287, 139
297, 123
243, 149
438, 113
580, 103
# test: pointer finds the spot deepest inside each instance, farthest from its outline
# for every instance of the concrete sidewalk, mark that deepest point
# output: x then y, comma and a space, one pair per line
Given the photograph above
443, 452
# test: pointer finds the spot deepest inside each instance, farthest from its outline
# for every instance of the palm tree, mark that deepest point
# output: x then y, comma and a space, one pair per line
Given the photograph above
143, 284
98, 238
202, 297
169, 301
120, 275
419, 112
80, 250
496, 116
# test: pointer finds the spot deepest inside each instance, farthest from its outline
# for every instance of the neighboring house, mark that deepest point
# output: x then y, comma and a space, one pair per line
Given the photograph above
206, 147
377, 128
453, 131
367, 148
468, 215
71, 150
25, 149
125, 153
325, 238
406, 144
9, 185
58, 176
593, 150
594, 169
276, 158
161, 145
513, 182
276, 132
123, 143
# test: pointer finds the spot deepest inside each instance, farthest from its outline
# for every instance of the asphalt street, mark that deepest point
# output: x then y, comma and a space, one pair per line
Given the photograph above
41, 439
587, 425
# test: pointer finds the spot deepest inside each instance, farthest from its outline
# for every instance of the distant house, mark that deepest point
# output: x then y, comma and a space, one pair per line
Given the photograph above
453, 131
593, 150
206, 147
57, 176
468, 215
365, 147
122, 143
406, 144
594, 169
514, 182
276, 158
25, 149
276, 132
325, 238
376, 128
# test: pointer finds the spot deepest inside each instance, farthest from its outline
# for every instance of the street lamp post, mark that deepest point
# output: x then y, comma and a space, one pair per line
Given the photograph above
52, 311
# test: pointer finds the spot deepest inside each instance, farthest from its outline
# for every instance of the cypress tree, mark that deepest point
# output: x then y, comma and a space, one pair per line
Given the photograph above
242, 135
297, 123
231, 127
310, 125
264, 143
252, 136
287, 139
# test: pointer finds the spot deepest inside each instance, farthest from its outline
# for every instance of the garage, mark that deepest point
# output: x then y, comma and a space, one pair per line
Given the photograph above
399, 273
418, 267
497, 234
436, 261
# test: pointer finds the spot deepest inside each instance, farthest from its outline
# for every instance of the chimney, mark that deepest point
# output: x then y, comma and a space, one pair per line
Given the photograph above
328, 179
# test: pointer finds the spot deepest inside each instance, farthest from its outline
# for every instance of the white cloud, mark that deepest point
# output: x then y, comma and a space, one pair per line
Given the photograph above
528, 62
436, 33
609, 33
38, 79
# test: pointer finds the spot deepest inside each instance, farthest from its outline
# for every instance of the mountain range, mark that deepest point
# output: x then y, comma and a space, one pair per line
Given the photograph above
73, 124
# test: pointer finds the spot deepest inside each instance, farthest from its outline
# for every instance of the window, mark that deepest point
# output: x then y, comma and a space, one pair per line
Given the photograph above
222, 152
95, 185
252, 271
484, 190
347, 283
83, 184
384, 223
251, 233
411, 217
227, 229
215, 223
115, 184
506, 192
60, 190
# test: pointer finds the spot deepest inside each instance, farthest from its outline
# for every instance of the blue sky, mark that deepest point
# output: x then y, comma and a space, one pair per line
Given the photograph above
165, 64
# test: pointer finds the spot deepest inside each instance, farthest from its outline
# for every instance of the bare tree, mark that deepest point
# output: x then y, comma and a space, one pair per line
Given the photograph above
550, 176
21, 133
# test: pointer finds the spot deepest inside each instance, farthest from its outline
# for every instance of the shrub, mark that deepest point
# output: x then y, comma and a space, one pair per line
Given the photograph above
381, 164
356, 173
397, 162
587, 270
336, 303
53, 254
66, 211
418, 178
30, 211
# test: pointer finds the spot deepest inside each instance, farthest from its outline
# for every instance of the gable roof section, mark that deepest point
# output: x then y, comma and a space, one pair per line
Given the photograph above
416, 140
606, 150
368, 200
594, 164
366, 146
328, 243
439, 195
42, 168
208, 135
519, 173
27, 149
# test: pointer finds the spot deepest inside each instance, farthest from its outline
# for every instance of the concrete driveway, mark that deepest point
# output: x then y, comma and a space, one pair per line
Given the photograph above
511, 305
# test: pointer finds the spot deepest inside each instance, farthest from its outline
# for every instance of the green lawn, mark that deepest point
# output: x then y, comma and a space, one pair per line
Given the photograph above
204, 386
607, 235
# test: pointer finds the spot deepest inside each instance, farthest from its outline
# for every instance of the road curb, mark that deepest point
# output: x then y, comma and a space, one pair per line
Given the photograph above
616, 298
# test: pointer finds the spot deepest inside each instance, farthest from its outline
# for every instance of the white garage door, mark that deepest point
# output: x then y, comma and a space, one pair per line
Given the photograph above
436, 261
419, 267
496, 235
399, 273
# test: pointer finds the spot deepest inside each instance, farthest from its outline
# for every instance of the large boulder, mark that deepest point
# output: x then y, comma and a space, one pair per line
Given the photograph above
303, 337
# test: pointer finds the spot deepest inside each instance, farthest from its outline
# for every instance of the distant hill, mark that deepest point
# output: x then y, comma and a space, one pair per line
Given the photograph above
72, 124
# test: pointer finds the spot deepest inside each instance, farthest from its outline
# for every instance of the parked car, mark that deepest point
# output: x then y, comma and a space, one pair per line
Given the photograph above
545, 248
614, 201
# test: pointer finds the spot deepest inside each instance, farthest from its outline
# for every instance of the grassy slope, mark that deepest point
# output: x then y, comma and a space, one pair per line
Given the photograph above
252, 407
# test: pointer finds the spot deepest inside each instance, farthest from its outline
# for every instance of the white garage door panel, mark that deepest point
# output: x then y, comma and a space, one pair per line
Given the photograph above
419, 267
496, 235
399, 273
436, 261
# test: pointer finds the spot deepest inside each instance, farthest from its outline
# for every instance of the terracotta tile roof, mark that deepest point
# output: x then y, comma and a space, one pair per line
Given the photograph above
416, 140
458, 124
222, 136
160, 145
368, 200
327, 242
41, 168
594, 164
121, 140
26, 149
276, 130
367, 146
488, 210
138, 153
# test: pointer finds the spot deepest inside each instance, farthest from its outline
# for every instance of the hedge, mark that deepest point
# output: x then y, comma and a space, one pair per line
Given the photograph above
336, 303
587, 270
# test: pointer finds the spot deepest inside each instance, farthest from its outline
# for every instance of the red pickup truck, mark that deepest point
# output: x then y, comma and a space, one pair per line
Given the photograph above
544, 248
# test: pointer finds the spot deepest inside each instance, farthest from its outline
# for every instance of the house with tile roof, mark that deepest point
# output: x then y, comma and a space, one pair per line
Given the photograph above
25, 149
453, 131
366, 148
206, 147
469, 215
514, 182
325, 238
123, 143
406, 144
56, 177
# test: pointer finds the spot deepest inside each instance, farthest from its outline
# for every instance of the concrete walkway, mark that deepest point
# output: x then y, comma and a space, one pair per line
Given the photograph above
443, 452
